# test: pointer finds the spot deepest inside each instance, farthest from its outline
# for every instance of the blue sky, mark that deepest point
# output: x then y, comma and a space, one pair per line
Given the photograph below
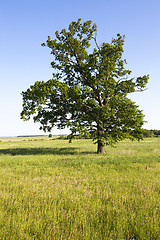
24, 25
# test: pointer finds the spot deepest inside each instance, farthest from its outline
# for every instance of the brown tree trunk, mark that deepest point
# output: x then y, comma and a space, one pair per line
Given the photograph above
101, 148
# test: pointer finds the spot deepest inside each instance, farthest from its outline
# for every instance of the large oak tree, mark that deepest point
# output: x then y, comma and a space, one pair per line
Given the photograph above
89, 89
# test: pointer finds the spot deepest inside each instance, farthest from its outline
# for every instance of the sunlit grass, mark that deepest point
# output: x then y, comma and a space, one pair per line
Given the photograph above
50, 189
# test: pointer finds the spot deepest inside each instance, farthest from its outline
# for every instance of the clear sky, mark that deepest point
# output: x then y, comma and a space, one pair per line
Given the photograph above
24, 25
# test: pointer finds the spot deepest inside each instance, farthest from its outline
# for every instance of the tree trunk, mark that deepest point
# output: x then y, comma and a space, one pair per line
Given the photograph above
101, 144
101, 148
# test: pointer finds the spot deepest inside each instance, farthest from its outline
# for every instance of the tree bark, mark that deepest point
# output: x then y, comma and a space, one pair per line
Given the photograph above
101, 148
101, 144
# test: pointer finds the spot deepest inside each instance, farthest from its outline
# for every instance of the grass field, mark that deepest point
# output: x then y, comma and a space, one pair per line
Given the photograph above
50, 189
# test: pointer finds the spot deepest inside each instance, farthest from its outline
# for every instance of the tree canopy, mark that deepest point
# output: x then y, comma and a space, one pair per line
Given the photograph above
89, 89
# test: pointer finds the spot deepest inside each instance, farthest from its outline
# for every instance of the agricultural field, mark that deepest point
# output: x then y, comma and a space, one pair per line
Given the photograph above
53, 189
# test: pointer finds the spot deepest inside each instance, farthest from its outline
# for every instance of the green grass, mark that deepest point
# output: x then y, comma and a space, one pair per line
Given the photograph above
50, 189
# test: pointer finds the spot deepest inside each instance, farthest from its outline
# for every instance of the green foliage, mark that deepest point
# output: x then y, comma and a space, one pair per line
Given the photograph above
151, 133
156, 132
88, 92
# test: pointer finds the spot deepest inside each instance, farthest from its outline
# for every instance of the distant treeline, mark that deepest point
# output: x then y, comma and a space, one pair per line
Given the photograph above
146, 133
31, 136
151, 133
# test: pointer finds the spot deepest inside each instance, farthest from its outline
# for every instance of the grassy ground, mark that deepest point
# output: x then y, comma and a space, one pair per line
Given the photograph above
50, 189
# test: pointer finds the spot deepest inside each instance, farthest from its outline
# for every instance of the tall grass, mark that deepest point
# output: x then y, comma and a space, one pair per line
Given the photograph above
56, 190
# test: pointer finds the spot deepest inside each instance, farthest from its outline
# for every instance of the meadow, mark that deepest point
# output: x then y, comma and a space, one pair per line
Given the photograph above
53, 189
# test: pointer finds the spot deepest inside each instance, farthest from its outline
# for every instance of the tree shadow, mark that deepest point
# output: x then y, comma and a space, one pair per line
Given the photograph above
38, 151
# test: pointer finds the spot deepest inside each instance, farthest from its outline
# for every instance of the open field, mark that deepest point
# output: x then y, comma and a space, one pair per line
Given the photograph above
50, 189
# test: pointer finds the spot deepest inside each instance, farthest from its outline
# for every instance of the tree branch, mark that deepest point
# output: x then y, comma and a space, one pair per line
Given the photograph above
95, 39
141, 90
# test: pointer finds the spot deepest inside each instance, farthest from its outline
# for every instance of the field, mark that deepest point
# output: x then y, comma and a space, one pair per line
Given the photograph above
52, 189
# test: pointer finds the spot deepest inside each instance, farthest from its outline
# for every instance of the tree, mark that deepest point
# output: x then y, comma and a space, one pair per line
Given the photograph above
148, 133
88, 92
